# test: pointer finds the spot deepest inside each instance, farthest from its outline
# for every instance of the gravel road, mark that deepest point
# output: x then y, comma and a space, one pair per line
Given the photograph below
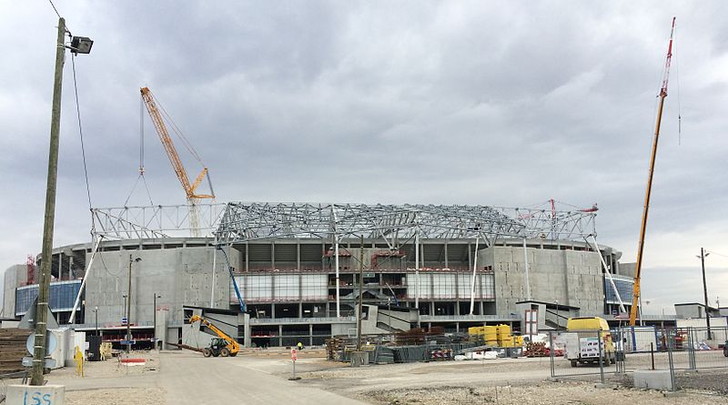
263, 376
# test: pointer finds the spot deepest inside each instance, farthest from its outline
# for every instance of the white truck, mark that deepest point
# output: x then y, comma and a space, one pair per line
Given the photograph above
582, 341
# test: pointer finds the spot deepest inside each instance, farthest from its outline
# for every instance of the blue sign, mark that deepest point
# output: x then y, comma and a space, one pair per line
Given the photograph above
124, 321
128, 342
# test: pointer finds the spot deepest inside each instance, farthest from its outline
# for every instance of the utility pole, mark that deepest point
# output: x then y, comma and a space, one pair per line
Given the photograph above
128, 306
705, 290
41, 311
155, 318
128, 311
78, 45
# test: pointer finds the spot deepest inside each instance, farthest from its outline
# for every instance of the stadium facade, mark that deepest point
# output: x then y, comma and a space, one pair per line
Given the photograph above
301, 269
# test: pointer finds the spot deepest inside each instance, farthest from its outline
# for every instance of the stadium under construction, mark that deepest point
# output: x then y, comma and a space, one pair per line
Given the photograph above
274, 274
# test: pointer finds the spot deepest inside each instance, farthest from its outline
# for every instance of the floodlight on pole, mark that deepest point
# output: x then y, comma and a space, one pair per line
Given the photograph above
81, 45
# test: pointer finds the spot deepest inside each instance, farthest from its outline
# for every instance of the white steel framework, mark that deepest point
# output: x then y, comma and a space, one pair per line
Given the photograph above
396, 224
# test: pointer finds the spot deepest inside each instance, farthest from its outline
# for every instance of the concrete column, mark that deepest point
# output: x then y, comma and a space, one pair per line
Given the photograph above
246, 329
298, 255
447, 265
566, 280
247, 257
272, 255
300, 286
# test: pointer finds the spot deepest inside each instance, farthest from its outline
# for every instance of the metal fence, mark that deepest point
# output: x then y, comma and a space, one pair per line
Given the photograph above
613, 354
582, 353
689, 347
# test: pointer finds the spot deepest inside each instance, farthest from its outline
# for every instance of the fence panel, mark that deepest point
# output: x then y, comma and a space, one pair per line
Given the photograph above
582, 353
708, 353
691, 350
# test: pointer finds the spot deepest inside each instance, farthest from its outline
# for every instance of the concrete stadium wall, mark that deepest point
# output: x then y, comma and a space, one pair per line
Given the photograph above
179, 276
14, 276
570, 277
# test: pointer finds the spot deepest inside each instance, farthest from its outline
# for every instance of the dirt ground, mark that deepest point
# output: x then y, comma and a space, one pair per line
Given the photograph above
506, 381
501, 381
97, 386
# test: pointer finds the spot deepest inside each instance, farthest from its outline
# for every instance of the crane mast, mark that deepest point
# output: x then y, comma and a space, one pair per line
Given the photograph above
190, 188
646, 208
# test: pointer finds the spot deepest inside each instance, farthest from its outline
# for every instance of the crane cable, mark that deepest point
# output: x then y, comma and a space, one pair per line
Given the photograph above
80, 128
185, 142
679, 110
141, 159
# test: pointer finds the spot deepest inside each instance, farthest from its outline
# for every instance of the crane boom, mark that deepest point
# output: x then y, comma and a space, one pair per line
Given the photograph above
179, 169
646, 208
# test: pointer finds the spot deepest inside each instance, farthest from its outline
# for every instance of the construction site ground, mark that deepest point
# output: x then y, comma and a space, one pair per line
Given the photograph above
264, 376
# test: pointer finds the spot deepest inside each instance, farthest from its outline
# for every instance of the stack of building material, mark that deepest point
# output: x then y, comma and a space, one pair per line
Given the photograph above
536, 349
12, 349
383, 355
495, 336
418, 336
410, 354
334, 349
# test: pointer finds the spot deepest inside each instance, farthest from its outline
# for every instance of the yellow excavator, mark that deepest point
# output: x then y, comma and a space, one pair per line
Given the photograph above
222, 346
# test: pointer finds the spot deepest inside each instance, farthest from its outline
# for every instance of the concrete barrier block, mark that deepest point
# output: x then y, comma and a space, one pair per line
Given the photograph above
36, 395
653, 379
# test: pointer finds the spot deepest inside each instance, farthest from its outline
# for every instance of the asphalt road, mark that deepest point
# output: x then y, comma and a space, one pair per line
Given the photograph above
189, 378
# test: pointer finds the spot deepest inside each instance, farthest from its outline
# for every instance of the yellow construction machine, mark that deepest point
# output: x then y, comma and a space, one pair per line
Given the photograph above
222, 346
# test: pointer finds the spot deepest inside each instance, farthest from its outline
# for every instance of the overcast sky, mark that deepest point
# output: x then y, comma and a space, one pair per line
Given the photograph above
507, 103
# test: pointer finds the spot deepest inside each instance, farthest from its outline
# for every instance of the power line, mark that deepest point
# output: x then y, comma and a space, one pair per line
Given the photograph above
55, 9
80, 130
716, 253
